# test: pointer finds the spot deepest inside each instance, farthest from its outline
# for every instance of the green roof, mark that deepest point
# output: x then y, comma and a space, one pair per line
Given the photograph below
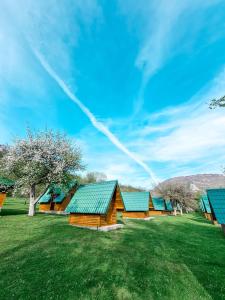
217, 200
201, 204
136, 201
6, 183
46, 197
158, 203
56, 193
206, 205
92, 198
168, 205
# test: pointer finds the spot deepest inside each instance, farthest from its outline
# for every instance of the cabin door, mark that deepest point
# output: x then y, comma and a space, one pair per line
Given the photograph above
52, 205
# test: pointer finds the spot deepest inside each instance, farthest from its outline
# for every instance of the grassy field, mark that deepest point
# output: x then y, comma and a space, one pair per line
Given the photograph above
43, 257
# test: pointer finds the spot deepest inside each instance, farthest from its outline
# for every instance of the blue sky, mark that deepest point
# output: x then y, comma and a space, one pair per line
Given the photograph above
127, 80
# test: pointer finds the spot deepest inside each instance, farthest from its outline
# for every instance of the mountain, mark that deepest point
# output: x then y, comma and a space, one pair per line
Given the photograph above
199, 182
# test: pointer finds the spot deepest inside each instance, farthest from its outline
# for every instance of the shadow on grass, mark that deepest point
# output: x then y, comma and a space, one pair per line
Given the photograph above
199, 218
158, 259
11, 212
193, 247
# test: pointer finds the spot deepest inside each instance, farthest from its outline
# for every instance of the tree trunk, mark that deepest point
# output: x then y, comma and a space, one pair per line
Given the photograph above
175, 212
32, 204
181, 210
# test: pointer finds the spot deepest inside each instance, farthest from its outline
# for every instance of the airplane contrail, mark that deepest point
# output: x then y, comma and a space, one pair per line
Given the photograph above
97, 124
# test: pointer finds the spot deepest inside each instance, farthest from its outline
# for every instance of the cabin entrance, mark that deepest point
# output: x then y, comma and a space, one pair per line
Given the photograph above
52, 205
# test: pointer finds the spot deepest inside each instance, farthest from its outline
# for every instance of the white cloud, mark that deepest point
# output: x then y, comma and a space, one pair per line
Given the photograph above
191, 134
166, 28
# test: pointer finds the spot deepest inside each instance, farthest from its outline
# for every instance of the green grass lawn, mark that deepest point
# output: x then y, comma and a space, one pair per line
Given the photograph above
43, 257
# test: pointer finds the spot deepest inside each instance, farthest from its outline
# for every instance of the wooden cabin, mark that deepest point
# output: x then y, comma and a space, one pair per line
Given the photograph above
157, 207
95, 205
136, 204
5, 185
206, 208
216, 198
55, 199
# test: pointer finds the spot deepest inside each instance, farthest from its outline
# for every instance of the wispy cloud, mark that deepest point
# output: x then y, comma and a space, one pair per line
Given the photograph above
97, 124
167, 28
186, 135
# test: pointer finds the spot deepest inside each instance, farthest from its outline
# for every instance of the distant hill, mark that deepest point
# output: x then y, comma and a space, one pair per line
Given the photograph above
199, 182
129, 188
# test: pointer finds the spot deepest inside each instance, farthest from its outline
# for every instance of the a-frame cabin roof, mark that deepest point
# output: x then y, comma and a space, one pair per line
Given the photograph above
136, 201
56, 193
217, 200
206, 205
158, 203
169, 206
201, 204
94, 198
6, 184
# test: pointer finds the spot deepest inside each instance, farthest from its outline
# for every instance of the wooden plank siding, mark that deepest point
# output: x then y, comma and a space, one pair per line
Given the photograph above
135, 214
119, 201
157, 213
208, 216
150, 203
44, 207
2, 199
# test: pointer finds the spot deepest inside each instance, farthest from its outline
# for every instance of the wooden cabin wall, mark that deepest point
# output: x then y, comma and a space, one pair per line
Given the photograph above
156, 213
111, 217
44, 207
84, 219
135, 214
208, 216
63, 205
119, 201
2, 198
167, 212
151, 203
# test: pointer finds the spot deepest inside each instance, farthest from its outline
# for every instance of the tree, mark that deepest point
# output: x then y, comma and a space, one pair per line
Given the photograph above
3, 150
130, 188
41, 158
180, 195
217, 103
93, 177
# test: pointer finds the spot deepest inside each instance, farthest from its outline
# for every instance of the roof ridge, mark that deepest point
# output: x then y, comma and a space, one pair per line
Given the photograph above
133, 192
97, 183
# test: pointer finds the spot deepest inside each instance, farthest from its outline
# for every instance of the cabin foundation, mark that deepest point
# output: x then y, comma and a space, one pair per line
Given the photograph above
101, 228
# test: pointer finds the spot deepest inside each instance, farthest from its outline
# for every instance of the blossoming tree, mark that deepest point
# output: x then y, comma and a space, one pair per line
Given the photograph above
42, 158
